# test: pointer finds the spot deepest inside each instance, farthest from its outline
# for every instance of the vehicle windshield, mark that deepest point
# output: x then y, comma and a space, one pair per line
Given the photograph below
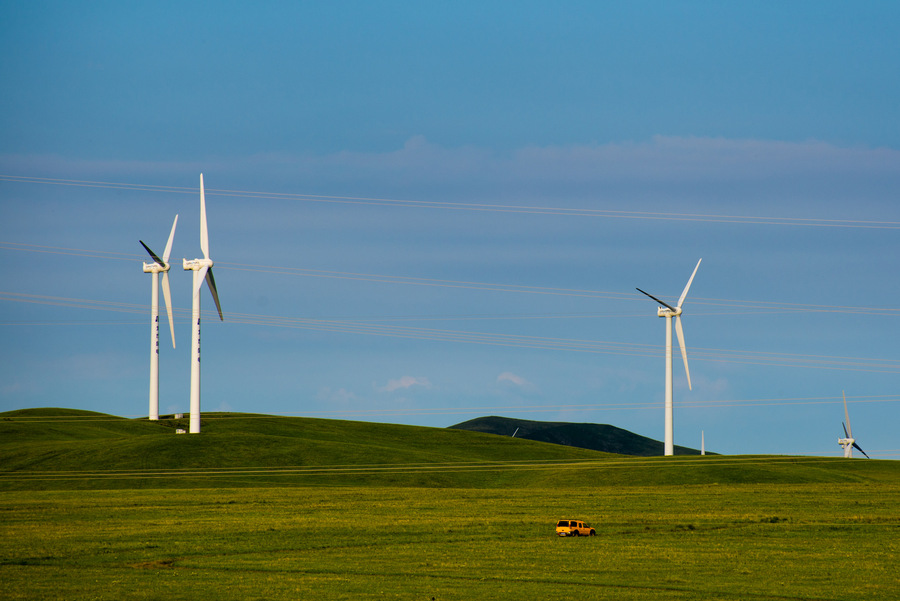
563, 523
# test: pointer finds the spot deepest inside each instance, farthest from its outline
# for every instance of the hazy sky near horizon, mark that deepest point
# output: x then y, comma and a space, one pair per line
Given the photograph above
428, 212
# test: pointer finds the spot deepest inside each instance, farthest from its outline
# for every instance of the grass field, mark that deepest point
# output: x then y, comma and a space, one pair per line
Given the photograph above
284, 510
695, 542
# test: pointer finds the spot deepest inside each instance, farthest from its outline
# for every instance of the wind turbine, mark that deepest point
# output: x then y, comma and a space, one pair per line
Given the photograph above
202, 269
668, 311
158, 266
848, 442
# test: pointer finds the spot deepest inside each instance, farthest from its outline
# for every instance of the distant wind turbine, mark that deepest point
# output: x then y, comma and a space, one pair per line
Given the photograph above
202, 269
848, 442
158, 266
668, 311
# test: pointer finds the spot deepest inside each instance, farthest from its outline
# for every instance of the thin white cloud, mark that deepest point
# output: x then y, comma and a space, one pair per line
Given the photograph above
340, 396
404, 383
677, 161
512, 378
665, 158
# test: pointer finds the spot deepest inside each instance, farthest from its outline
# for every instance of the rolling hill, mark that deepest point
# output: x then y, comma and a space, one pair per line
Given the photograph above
58, 449
597, 437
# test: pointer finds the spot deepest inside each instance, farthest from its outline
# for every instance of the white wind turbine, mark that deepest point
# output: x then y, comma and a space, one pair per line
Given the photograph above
158, 266
202, 269
668, 311
848, 442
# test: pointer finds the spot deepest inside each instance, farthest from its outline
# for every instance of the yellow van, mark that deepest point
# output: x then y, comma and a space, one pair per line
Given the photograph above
574, 528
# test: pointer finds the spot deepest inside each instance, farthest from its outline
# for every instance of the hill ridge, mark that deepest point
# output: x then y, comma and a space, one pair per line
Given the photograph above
597, 437
67, 449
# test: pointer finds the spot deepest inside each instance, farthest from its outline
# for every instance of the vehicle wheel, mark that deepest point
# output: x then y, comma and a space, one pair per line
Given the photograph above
576, 533
593, 533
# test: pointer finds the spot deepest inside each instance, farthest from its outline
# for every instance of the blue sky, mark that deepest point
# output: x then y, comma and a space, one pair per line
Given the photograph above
464, 196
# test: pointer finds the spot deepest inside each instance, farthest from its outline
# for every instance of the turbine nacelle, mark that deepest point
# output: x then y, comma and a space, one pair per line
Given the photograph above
848, 444
195, 264
668, 311
156, 267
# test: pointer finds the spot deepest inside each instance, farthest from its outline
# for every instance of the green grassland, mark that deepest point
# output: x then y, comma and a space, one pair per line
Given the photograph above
257, 507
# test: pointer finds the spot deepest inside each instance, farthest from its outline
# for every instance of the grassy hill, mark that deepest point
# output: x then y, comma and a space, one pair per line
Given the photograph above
598, 437
62, 448
100, 507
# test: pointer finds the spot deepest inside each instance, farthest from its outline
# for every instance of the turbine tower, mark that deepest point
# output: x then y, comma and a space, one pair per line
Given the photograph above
158, 266
848, 442
202, 269
668, 311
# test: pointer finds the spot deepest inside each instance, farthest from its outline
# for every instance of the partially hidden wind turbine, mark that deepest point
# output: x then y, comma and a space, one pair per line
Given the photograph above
668, 311
158, 266
848, 442
202, 269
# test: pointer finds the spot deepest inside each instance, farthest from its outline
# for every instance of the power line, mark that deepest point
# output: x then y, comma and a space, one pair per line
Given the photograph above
478, 207
753, 305
76, 252
494, 339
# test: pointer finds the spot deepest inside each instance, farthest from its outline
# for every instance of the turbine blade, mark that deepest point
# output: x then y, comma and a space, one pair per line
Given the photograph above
201, 275
204, 233
688, 287
167, 297
152, 254
168, 250
211, 281
656, 299
859, 448
845, 430
847, 415
679, 332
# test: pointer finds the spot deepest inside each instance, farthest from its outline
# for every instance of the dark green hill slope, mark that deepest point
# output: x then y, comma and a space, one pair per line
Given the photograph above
56, 449
598, 437
51, 446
